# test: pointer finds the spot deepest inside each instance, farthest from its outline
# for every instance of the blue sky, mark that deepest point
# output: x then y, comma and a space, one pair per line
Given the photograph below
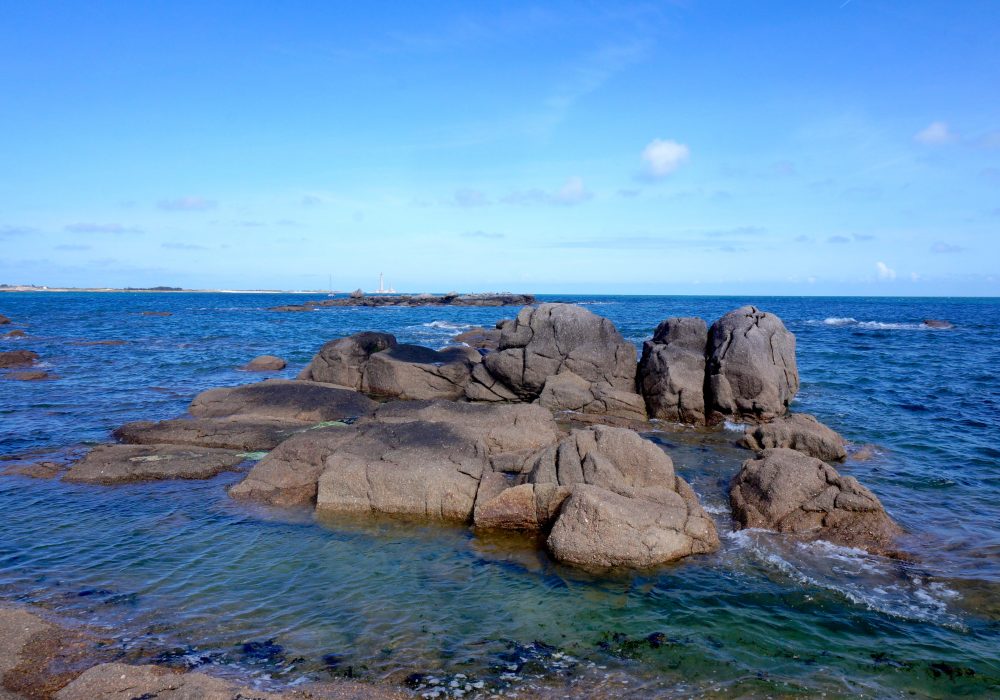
822, 147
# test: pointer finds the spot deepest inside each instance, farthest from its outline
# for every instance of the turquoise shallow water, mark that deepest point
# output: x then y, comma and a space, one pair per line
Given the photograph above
179, 573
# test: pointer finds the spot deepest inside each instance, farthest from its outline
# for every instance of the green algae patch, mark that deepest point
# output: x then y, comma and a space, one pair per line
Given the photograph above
328, 424
255, 456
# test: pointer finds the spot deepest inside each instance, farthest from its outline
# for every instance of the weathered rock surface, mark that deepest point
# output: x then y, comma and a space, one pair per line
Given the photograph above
30, 376
376, 364
343, 361
751, 371
245, 435
555, 339
17, 358
289, 400
568, 392
120, 464
415, 372
453, 443
487, 339
265, 363
4, 320
611, 497
671, 373
797, 431
16, 333
788, 491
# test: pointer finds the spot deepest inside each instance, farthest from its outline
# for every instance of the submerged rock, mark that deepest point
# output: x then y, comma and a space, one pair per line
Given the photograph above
798, 431
30, 376
14, 334
120, 464
938, 323
246, 435
4, 320
17, 358
280, 399
671, 373
156, 313
555, 339
751, 370
788, 491
265, 363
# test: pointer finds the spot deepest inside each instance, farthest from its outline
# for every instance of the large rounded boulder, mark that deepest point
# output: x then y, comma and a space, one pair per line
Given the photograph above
672, 371
788, 491
751, 372
561, 339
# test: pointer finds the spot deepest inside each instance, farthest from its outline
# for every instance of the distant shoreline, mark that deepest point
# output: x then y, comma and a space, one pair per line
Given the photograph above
166, 291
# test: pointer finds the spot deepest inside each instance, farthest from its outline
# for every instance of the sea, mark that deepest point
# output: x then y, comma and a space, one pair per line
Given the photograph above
179, 574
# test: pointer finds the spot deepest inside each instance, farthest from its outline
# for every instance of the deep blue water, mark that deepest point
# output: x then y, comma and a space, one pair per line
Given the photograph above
172, 565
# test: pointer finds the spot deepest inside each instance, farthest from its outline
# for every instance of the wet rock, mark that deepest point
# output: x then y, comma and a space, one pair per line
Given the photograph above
30, 376
14, 334
788, 491
480, 338
17, 358
109, 343
343, 361
278, 399
938, 323
554, 339
121, 464
671, 374
798, 431
751, 371
265, 363
246, 435
4, 320
156, 313
117, 680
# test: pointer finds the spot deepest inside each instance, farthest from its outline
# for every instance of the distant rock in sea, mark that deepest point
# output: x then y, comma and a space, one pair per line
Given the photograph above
359, 298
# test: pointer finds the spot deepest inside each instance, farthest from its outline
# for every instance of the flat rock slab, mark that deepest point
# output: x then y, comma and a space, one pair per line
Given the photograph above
246, 435
121, 681
277, 399
122, 464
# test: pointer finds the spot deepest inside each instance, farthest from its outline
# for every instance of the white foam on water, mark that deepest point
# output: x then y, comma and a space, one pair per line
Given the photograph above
448, 326
733, 427
834, 321
847, 321
879, 584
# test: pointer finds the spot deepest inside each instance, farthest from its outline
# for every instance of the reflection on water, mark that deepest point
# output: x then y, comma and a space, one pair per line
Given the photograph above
178, 573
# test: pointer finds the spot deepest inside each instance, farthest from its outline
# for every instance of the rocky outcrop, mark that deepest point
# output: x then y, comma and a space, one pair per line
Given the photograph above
938, 323
798, 431
283, 400
245, 435
17, 358
788, 491
14, 334
415, 372
751, 372
265, 363
35, 375
121, 464
612, 499
376, 364
4, 320
450, 444
343, 361
555, 339
359, 298
671, 374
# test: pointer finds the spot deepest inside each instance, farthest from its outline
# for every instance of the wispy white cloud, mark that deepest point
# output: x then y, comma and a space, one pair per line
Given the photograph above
88, 227
943, 247
187, 204
469, 197
884, 271
661, 157
574, 191
935, 134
